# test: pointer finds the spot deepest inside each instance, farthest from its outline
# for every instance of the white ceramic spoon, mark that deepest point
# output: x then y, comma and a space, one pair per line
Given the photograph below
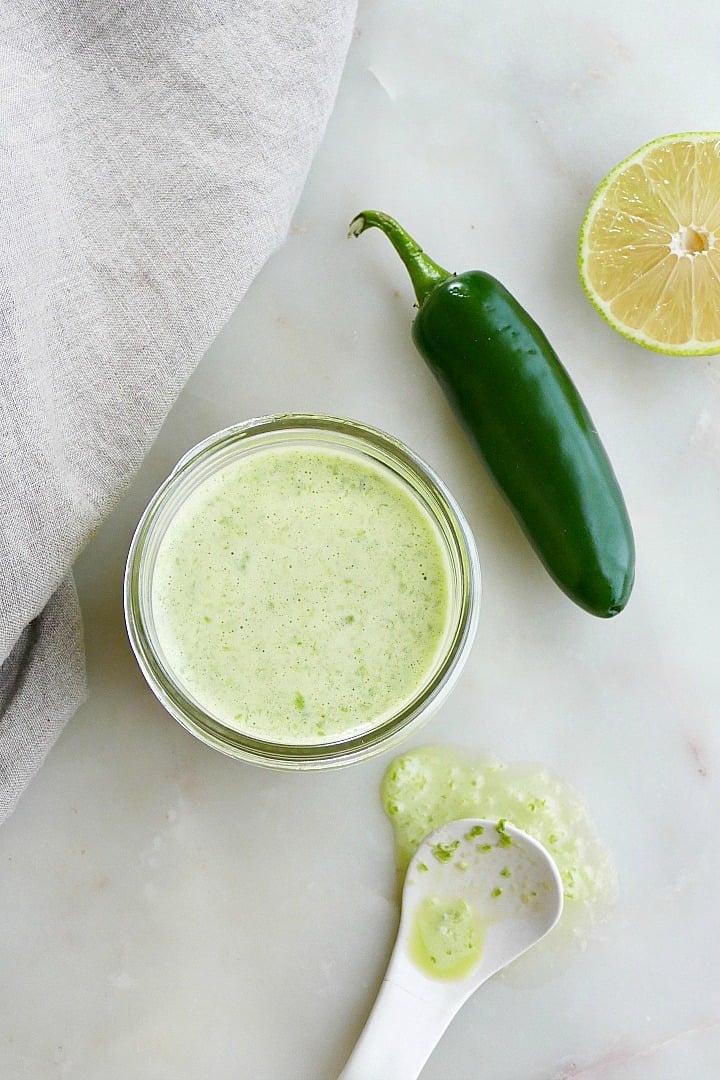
477, 895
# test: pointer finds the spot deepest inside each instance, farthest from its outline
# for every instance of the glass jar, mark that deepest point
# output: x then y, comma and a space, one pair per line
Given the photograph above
368, 447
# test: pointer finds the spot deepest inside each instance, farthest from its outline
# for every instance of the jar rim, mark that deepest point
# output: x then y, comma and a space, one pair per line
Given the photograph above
419, 478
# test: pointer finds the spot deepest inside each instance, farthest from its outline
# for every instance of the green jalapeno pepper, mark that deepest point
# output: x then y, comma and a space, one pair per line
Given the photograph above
526, 420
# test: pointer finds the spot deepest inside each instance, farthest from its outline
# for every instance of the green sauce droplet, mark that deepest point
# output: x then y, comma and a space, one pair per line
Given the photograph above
447, 937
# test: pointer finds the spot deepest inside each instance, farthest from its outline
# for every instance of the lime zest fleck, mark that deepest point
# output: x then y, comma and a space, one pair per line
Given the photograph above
496, 891
501, 830
444, 852
477, 830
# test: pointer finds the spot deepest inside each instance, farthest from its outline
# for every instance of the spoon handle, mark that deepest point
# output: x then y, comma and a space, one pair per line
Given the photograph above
398, 1038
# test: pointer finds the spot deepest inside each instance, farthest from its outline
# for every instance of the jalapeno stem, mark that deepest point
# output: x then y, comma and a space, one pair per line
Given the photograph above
425, 274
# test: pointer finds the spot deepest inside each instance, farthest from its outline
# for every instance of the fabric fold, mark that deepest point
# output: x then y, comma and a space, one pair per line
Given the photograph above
42, 683
153, 156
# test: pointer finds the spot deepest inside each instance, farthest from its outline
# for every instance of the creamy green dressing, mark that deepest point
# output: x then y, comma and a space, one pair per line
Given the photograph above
446, 938
431, 786
301, 594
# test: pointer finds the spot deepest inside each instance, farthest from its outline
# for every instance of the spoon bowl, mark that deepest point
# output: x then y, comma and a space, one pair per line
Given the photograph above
477, 895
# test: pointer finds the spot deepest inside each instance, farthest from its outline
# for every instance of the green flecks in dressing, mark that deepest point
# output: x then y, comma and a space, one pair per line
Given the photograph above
300, 594
445, 852
431, 786
446, 938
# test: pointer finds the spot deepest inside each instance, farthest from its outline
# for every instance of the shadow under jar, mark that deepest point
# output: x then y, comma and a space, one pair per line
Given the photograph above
302, 591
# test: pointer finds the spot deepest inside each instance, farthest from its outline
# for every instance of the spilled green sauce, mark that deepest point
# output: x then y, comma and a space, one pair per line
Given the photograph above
431, 786
446, 938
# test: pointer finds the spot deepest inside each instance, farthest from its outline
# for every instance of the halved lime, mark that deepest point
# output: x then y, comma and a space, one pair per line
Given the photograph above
650, 245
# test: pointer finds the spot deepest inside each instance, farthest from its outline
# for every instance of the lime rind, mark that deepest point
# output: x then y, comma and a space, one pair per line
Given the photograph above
688, 348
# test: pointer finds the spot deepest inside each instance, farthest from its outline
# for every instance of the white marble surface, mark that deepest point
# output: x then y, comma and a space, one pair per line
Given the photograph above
169, 914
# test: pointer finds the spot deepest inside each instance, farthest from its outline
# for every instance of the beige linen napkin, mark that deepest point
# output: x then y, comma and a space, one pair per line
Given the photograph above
152, 156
